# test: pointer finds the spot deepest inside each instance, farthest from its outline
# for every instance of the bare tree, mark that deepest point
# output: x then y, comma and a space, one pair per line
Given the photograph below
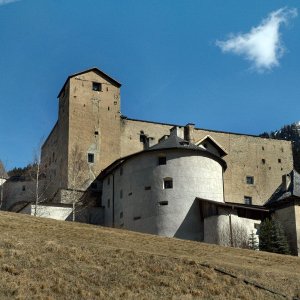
78, 177
234, 235
37, 173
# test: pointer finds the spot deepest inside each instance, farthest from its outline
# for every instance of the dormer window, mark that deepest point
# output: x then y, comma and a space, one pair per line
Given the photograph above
97, 86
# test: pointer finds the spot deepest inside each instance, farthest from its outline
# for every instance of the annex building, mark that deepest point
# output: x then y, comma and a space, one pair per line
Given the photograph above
159, 178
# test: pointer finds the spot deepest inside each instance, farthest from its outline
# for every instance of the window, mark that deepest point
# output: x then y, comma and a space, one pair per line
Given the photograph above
108, 203
90, 157
162, 160
96, 132
121, 215
147, 188
23, 188
136, 218
249, 179
263, 161
121, 194
97, 86
168, 183
248, 200
162, 203
279, 160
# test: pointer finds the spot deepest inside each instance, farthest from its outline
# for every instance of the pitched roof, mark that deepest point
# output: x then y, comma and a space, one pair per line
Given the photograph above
282, 195
220, 149
3, 173
96, 70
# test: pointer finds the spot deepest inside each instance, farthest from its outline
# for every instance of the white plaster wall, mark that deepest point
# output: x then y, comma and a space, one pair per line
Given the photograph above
193, 176
51, 212
217, 229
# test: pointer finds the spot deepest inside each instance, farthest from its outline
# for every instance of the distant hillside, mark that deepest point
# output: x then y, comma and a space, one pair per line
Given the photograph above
48, 259
289, 133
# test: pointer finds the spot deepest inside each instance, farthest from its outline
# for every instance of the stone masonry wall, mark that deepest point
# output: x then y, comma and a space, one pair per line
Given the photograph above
264, 159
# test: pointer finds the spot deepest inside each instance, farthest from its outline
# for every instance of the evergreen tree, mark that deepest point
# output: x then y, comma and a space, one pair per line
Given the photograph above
253, 244
272, 237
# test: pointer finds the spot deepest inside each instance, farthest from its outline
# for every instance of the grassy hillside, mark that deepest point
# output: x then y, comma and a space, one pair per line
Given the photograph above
47, 259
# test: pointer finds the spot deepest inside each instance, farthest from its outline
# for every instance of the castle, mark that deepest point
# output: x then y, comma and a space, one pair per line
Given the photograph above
162, 178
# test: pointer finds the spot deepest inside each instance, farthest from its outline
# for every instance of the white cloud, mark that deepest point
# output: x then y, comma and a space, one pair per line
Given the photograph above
262, 46
4, 2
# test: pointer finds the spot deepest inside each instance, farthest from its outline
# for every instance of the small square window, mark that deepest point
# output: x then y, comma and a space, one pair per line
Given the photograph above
248, 200
97, 86
249, 179
279, 160
162, 203
168, 183
147, 188
90, 157
263, 161
162, 160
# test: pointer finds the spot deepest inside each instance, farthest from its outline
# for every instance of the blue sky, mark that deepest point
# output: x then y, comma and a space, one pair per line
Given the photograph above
223, 65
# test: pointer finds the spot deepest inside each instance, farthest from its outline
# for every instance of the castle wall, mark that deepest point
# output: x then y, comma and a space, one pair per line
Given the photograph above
264, 159
217, 230
52, 158
90, 122
289, 217
297, 219
136, 196
18, 191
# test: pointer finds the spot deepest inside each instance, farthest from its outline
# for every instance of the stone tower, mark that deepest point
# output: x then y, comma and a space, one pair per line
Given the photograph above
86, 137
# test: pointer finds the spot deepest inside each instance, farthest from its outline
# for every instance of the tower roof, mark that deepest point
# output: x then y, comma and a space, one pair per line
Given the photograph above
174, 141
3, 174
170, 143
96, 70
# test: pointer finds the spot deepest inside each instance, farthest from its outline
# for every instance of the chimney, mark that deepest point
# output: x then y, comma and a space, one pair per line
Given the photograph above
149, 142
286, 181
189, 132
178, 131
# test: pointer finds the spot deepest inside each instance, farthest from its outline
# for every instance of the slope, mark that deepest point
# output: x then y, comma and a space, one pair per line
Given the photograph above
48, 259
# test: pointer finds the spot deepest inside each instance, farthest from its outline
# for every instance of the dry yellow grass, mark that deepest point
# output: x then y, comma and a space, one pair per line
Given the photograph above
47, 259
